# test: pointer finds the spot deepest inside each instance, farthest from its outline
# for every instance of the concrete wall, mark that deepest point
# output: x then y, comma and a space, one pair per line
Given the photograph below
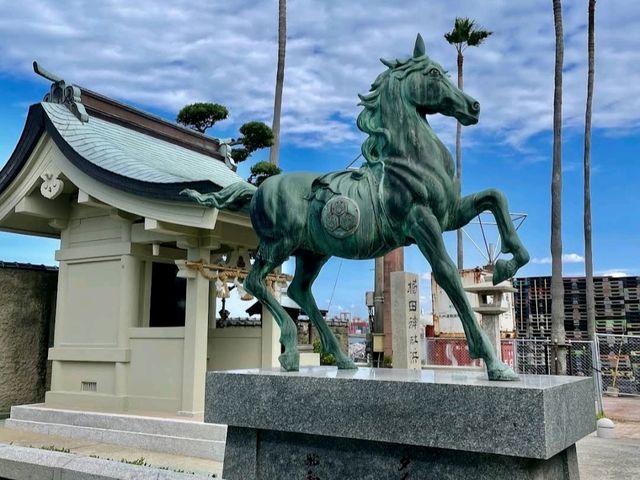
341, 333
234, 347
27, 298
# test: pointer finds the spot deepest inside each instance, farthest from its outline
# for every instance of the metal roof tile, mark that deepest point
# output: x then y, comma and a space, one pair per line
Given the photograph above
136, 155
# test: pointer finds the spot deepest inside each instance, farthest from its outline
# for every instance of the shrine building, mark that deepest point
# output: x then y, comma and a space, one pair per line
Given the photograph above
141, 269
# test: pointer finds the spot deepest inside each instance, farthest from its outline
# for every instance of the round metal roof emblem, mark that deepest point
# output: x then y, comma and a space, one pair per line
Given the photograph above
340, 216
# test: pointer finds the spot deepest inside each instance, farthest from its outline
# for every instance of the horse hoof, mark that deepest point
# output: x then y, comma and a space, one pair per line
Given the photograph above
290, 361
345, 363
503, 271
503, 373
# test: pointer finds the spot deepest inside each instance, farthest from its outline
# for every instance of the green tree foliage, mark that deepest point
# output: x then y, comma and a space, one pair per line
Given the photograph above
325, 358
200, 116
261, 171
465, 34
255, 135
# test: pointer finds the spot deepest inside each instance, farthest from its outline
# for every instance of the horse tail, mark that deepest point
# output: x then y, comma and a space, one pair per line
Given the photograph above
233, 197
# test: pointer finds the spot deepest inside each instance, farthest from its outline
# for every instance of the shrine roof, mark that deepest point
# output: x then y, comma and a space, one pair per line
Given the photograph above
124, 148
133, 154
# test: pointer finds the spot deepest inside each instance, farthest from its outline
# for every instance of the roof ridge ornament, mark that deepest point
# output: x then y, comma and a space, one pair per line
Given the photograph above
224, 148
61, 93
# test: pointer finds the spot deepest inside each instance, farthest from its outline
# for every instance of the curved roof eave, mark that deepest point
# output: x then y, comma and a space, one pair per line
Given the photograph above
31, 133
39, 122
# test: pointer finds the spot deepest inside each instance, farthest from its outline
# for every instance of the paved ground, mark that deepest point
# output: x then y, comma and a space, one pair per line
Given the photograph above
602, 459
599, 459
616, 459
622, 409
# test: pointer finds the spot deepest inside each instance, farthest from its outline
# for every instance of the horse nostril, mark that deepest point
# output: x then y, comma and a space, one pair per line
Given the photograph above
475, 106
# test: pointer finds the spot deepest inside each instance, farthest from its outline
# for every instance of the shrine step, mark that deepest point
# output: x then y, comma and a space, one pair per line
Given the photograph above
176, 436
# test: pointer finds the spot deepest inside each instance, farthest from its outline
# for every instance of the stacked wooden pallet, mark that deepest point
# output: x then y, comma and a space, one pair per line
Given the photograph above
620, 360
632, 305
617, 306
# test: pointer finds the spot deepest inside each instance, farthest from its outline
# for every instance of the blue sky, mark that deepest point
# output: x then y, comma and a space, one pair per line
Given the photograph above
160, 57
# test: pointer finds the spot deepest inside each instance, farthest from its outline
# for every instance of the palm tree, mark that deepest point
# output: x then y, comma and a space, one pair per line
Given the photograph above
464, 34
557, 288
277, 104
588, 253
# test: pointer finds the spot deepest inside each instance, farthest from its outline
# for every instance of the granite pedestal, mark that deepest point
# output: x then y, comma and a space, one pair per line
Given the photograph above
322, 424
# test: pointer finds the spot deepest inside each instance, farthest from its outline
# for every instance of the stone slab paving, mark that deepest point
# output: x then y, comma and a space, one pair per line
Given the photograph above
170, 435
609, 459
24, 463
87, 448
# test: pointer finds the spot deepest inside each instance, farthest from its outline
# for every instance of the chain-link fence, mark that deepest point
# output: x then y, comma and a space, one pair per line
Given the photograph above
536, 357
613, 361
620, 363
455, 352
449, 352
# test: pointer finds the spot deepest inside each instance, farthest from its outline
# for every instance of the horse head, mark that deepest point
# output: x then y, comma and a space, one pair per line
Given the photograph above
427, 88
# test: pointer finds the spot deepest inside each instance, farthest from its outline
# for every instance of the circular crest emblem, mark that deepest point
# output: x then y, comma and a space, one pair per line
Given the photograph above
340, 216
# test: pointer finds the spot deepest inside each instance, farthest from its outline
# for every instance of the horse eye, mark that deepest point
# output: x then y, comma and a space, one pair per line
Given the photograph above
434, 72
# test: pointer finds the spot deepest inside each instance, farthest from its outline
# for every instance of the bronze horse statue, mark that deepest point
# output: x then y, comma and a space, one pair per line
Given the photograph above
404, 194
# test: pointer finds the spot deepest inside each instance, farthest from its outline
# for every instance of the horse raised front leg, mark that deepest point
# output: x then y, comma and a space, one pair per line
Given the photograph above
495, 202
308, 266
269, 257
424, 228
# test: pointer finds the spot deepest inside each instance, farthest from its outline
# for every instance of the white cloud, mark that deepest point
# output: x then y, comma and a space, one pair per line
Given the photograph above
566, 258
616, 272
165, 56
572, 258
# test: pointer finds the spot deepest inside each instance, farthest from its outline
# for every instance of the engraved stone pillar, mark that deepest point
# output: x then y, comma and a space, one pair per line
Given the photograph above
405, 316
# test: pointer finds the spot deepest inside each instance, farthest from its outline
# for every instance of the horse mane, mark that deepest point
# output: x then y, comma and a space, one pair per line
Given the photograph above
375, 148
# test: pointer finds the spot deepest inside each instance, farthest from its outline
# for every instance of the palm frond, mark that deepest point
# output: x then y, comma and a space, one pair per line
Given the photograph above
465, 34
477, 37
464, 26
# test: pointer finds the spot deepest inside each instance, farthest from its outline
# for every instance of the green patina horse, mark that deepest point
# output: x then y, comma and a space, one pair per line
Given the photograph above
404, 194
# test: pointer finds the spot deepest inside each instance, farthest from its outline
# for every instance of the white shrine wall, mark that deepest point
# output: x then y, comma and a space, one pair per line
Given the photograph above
105, 356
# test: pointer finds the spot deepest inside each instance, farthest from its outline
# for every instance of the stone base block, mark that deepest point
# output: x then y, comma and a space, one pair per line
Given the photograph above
266, 454
321, 424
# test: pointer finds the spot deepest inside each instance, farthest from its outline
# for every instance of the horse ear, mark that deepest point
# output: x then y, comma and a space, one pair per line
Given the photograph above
418, 50
389, 63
